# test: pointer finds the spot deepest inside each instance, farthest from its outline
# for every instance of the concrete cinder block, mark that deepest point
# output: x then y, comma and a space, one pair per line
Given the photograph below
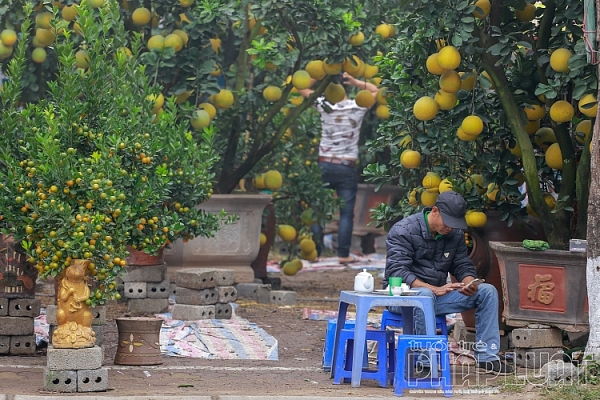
3, 306
197, 297
172, 289
227, 294
151, 273
158, 290
196, 278
51, 315
263, 294
24, 308
60, 381
223, 311
148, 306
535, 358
225, 277
4, 344
92, 380
74, 359
99, 330
99, 313
283, 297
186, 312
247, 290
135, 290
16, 326
537, 338
22, 345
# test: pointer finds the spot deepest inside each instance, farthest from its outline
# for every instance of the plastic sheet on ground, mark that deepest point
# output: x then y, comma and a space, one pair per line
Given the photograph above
370, 262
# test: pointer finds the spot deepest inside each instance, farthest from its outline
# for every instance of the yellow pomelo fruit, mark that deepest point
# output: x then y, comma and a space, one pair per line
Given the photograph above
464, 137
405, 139
156, 42
173, 40
272, 93
287, 232
384, 30
472, 125
263, 239
550, 200
297, 263
77, 29
354, 66
559, 60
301, 79
448, 58
412, 198
141, 16
69, 13
309, 256
216, 71
450, 81
544, 135
307, 245
467, 83
183, 35
158, 101
182, 97
82, 59
562, 111
485, 6
425, 109
259, 181
527, 14
554, 156
224, 99
370, 71
334, 93
440, 43
535, 112
315, 69
357, 39
431, 181
382, 112
42, 20
584, 127
95, 3
410, 159
307, 217
45, 36
492, 191
476, 180
428, 198
444, 100
289, 268
515, 150
365, 99
382, 95
215, 43
273, 180
38, 55
445, 186
487, 77
532, 126
186, 3
8, 37
476, 219
432, 65
590, 101
200, 119
209, 108
332, 68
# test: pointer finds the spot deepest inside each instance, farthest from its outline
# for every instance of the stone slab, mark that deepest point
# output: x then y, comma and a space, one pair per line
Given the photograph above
4, 344
536, 357
225, 277
186, 312
60, 381
537, 338
51, 314
16, 326
196, 278
92, 380
135, 290
3, 306
158, 290
283, 297
263, 294
151, 273
197, 297
24, 308
227, 294
148, 306
223, 311
22, 345
247, 290
74, 359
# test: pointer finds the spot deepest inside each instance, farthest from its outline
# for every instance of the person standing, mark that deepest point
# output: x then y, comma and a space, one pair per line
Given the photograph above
338, 154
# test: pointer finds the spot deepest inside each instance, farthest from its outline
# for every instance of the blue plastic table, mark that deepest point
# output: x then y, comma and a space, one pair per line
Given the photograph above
363, 303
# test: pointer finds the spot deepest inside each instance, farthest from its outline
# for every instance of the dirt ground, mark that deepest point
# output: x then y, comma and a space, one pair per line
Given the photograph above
297, 372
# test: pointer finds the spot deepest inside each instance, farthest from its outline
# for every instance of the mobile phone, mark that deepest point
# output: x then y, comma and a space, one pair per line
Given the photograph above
475, 282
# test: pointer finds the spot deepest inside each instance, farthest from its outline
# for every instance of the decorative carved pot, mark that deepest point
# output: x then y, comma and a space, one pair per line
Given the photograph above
139, 341
234, 247
139, 258
73, 315
547, 287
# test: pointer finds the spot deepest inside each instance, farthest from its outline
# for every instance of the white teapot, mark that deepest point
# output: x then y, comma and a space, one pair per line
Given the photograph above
364, 282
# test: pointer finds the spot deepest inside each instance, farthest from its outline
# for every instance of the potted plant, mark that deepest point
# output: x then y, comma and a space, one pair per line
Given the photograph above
488, 97
90, 169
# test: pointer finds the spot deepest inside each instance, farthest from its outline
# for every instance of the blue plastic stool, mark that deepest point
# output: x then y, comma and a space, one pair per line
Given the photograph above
405, 368
385, 357
389, 318
329, 340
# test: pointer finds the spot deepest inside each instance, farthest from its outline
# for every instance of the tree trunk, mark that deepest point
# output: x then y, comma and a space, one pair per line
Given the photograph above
593, 234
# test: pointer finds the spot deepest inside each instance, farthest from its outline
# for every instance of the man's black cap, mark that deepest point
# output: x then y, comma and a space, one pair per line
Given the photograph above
452, 207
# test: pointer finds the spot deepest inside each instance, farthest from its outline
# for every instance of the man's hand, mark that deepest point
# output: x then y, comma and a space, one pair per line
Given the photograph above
447, 288
470, 290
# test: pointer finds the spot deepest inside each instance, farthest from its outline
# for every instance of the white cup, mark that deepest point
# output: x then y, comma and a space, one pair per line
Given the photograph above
405, 287
397, 290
